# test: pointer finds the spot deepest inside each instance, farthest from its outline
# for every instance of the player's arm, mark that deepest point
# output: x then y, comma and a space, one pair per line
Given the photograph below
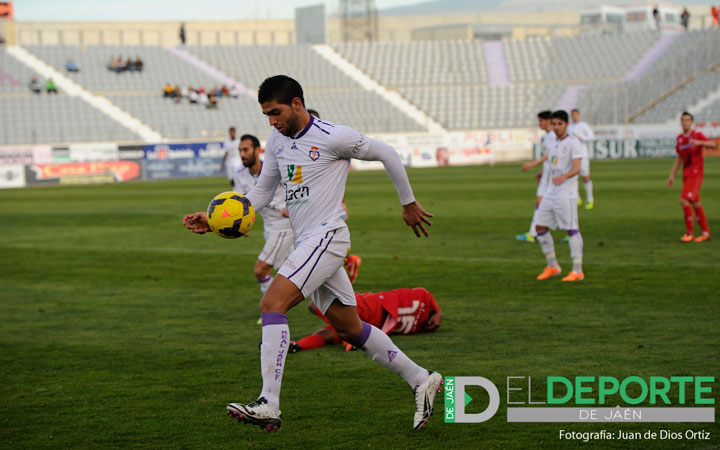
529, 165
264, 191
222, 163
673, 171
560, 179
435, 321
351, 144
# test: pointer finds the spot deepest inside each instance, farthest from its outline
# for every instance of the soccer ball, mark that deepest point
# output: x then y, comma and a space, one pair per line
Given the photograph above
230, 215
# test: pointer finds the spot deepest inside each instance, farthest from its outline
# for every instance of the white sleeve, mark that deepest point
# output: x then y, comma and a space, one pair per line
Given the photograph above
590, 134
264, 191
578, 150
348, 143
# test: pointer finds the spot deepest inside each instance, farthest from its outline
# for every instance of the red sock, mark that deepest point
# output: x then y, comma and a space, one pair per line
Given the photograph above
702, 220
312, 341
688, 219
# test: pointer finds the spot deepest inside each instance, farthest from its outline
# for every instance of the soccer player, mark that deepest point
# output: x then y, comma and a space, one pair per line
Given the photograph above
558, 208
312, 158
584, 133
277, 231
231, 160
545, 124
400, 311
690, 145
352, 262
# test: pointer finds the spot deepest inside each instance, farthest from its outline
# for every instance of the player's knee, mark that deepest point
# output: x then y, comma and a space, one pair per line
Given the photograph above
262, 270
540, 229
348, 331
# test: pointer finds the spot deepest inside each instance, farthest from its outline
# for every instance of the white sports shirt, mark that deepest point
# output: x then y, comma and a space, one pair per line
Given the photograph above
548, 141
560, 159
582, 131
232, 161
313, 167
273, 219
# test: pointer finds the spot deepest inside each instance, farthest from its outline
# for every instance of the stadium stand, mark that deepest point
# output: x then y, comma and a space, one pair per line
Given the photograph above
711, 113
14, 75
44, 119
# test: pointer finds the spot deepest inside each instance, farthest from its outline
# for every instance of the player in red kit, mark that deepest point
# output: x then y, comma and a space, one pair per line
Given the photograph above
400, 311
690, 147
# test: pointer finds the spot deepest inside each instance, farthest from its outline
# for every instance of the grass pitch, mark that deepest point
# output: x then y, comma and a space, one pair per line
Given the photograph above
120, 329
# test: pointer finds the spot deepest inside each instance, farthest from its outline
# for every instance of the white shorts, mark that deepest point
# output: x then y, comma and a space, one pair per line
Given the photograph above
558, 213
543, 184
316, 268
278, 245
585, 167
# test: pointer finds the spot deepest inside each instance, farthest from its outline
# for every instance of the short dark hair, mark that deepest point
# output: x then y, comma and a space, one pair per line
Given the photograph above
252, 138
685, 113
562, 115
280, 88
575, 110
545, 115
312, 112
231, 129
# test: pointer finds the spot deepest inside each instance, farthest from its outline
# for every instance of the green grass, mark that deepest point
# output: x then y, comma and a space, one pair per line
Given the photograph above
120, 329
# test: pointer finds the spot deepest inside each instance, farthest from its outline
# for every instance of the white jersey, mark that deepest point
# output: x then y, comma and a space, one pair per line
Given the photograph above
560, 159
313, 168
582, 131
273, 219
232, 160
547, 141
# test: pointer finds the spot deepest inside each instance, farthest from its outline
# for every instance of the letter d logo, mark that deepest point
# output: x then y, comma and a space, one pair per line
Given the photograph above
456, 399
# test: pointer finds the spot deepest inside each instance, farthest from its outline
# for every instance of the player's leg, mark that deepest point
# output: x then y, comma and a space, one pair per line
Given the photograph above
546, 220
265, 411
381, 349
263, 273
320, 338
567, 217
587, 182
686, 197
278, 245
695, 184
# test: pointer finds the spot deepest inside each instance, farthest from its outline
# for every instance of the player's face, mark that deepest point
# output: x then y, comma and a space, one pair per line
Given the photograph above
559, 127
575, 116
248, 154
232, 134
543, 124
686, 123
283, 118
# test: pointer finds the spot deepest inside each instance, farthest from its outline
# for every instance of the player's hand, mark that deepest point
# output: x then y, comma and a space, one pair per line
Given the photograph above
557, 181
670, 181
196, 222
347, 213
538, 176
527, 166
435, 321
696, 142
284, 213
416, 218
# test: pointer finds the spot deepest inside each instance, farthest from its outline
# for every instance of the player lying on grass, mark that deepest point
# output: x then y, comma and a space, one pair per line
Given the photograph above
400, 311
311, 158
690, 150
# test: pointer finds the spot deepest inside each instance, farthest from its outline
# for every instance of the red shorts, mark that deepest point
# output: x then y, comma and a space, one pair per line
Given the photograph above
691, 188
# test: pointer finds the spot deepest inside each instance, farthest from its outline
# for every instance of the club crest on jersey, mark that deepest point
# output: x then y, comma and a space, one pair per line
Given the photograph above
294, 173
314, 153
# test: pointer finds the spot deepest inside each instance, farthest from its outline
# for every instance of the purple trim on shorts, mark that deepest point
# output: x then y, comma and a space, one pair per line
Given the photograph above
586, 181
318, 259
542, 233
309, 257
266, 279
572, 232
273, 319
360, 340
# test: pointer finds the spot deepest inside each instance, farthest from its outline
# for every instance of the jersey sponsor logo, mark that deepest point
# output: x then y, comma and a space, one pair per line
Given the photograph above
314, 153
294, 173
296, 196
554, 160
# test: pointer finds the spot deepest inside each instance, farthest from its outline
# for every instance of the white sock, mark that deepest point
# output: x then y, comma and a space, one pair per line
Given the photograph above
265, 283
382, 349
576, 249
275, 340
533, 231
548, 248
589, 192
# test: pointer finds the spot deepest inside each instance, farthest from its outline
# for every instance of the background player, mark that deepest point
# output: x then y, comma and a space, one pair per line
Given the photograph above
689, 148
277, 231
312, 161
352, 262
231, 160
400, 311
584, 133
558, 208
545, 124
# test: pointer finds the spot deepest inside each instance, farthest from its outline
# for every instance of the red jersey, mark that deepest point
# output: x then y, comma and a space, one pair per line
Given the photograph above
691, 155
401, 311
